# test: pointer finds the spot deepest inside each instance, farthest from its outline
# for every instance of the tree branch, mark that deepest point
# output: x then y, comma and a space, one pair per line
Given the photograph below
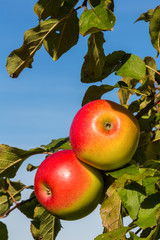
16, 206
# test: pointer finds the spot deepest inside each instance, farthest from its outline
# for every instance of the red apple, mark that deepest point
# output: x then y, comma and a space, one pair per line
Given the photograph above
104, 134
67, 187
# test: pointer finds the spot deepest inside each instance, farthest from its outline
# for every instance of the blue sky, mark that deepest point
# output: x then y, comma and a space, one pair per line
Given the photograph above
40, 104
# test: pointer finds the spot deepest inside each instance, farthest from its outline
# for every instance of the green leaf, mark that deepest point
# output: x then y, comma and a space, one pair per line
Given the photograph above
146, 16
134, 236
132, 196
31, 167
3, 231
92, 67
129, 170
147, 213
56, 35
96, 19
112, 63
124, 94
150, 185
111, 210
61, 143
95, 92
53, 8
133, 67
44, 225
28, 207
11, 159
108, 3
116, 234
46, 8
8, 191
154, 29
151, 64
64, 36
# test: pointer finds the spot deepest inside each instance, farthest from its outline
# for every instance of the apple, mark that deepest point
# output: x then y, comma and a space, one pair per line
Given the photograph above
67, 187
104, 134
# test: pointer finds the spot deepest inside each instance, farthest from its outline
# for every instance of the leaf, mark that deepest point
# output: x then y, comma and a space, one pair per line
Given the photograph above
150, 62
63, 37
124, 94
154, 29
61, 143
132, 196
116, 234
31, 167
96, 19
92, 67
28, 207
3, 231
53, 8
8, 191
111, 210
129, 170
11, 159
95, 92
46, 8
108, 3
113, 62
44, 225
133, 67
150, 185
146, 16
133, 236
147, 213
51, 32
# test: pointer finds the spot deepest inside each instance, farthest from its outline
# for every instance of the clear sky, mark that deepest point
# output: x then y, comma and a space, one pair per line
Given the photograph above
40, 104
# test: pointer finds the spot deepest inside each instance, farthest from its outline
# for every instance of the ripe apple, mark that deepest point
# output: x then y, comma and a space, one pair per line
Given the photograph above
67, 187
104, 134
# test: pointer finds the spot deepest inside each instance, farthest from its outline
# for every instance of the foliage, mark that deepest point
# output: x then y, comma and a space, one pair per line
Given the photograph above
132, 191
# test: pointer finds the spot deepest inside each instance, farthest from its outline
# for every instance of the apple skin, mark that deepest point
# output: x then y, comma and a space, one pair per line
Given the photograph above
104, 134
67, 187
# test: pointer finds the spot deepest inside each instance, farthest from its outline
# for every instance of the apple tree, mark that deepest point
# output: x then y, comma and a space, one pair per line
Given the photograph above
133, 190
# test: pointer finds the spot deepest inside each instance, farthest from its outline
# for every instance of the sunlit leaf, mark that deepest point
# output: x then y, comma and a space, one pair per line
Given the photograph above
61, 143
132, 66
8, 191
154, 29
96, 19
111, 210
146, 16
132, 196
116, 234
146, 216
58, 36
11, 159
